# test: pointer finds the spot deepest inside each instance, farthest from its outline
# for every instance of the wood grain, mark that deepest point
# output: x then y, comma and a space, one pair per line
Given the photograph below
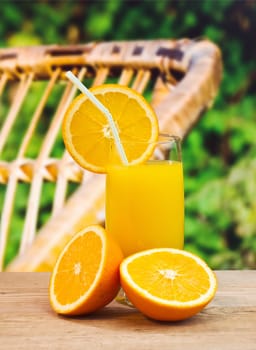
27, 321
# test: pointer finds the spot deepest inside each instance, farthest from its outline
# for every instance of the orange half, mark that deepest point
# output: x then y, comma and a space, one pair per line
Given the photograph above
86, 274
88, 136
167, 284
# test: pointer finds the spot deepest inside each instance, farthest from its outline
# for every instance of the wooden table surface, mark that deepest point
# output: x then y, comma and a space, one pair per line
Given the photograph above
27, 321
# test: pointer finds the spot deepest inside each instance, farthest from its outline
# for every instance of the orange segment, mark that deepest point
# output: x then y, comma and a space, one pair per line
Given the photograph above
86, 275
88, 137
167, 284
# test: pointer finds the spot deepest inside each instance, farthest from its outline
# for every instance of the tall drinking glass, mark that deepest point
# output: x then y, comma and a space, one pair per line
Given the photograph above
145, 202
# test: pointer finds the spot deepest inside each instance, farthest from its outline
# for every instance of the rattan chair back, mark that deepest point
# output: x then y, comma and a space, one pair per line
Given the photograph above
181, 78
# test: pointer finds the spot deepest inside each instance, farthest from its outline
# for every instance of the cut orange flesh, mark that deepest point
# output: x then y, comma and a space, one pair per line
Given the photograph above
86, 275
87, 133
167, 284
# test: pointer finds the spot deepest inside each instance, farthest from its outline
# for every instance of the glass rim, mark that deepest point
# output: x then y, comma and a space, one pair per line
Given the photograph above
163, 138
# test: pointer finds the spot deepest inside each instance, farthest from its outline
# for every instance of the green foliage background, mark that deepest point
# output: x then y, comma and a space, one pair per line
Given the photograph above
219, 154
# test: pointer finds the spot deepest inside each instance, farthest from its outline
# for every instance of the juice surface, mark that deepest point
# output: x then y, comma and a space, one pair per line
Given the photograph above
145, 205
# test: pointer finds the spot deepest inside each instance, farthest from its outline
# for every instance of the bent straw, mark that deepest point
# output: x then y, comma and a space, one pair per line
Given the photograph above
104, 110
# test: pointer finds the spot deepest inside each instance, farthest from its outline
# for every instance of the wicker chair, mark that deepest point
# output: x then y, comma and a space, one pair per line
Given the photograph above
182, 79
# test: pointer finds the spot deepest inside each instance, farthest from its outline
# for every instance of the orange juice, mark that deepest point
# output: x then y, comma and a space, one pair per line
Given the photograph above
145, 205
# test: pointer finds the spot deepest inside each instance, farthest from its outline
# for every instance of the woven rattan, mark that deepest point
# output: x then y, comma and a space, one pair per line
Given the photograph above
181, 78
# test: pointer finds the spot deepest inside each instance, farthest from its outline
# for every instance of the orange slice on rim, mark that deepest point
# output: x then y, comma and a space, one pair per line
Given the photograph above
167, 284
87, 134
86, 275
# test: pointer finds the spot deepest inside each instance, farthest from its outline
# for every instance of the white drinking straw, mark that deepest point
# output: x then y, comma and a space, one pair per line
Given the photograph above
104, 110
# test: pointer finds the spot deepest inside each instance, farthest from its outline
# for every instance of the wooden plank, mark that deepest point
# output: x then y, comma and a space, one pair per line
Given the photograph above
27, 321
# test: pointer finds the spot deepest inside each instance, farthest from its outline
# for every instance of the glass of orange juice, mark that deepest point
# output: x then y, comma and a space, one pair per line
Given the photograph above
145, 202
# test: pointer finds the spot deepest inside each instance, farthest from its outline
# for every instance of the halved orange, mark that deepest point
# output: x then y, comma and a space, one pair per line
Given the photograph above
167, 284
86, 275
88, 136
